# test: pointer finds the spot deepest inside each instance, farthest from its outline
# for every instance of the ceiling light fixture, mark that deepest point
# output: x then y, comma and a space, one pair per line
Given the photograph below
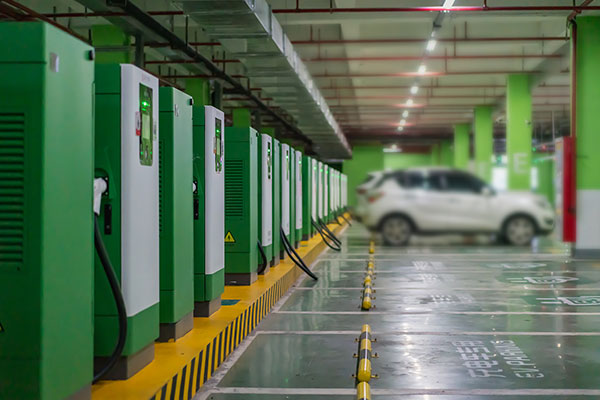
402, 122
422, 69
431, 45
400, 128
414, 89
409, 102
405, 114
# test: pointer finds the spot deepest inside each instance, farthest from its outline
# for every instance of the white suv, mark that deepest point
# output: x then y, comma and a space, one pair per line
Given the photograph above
370, 181
442, 200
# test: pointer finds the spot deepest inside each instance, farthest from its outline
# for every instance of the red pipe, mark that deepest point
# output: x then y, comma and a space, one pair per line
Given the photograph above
107, 14
415, 74
440, 57
441, 40
430, 87
429, 97
430, 9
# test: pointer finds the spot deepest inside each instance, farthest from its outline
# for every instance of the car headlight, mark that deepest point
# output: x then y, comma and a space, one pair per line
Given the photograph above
543, 203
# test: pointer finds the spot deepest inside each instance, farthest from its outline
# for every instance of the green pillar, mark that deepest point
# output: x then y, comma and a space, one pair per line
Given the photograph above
588, 139
111, 36
199, 89
435, 154
484, 142
446, 156
518, 131
461, 146
242, 117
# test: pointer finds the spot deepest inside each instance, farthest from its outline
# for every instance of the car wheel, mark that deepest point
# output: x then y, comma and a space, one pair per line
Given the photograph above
396, 230
519, 231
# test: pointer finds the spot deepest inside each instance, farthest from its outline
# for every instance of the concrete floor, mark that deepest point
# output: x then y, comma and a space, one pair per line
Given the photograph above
454, 319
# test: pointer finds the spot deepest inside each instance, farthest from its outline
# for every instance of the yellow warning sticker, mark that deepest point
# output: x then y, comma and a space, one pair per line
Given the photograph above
229, 238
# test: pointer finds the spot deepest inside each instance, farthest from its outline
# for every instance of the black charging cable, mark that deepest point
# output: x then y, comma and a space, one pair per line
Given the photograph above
294, 256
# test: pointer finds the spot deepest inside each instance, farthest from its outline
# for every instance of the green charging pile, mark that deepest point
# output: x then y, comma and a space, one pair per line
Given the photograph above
175, 210
276, 202
126, 157
298, 197
307, 197
241, 208
265, 200
208, 209
46, 218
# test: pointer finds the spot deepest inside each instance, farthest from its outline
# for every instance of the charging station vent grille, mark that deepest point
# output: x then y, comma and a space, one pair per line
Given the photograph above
12, 189
234, 188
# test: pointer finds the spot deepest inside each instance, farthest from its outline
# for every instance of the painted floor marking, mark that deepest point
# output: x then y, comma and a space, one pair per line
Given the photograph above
401, 392
437, 312
433, 333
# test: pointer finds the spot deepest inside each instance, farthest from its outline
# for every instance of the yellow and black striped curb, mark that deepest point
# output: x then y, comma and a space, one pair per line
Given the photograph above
364, 371
185, 384
372, 247
367, 298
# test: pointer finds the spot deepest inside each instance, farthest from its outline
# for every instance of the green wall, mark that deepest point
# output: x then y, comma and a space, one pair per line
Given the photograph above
406, 160
365, 159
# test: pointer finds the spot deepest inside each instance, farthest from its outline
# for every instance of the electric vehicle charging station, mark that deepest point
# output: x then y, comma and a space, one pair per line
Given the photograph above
265, 198
46, 218
276, 214
307, 196
175, 205
208, 185
320, 186
325, 193
126, 157
241, 206
314, 193
292, 197
285, 192
298, 201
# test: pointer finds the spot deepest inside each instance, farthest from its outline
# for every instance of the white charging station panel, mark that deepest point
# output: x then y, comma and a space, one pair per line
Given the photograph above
214, 193
314, 188
285, 188
320, 187
325, 190
298, 190
267, 189
139, 189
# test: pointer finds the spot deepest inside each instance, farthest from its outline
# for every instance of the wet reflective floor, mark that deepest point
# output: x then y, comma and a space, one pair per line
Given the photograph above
471, 320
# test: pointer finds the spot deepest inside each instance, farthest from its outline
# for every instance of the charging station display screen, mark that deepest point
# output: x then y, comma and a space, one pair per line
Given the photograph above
269, 160
218, 147
145, 125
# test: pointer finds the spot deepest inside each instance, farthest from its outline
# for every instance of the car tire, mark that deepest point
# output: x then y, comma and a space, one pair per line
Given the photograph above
519, 230
396, 230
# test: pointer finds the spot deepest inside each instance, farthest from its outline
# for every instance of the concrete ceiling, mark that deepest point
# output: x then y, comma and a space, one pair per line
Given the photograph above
366, 62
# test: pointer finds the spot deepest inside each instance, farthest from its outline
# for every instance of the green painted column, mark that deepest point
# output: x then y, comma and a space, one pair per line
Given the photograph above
484, 142
111, 35
446, 157
199, 89
588, 137
435, 154
461, 146
242, 117
365, 159
518, 131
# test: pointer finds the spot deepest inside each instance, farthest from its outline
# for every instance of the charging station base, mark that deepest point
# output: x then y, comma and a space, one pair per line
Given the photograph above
207, 308
240, 279
175, 330
267, 269
127, 366
85, 393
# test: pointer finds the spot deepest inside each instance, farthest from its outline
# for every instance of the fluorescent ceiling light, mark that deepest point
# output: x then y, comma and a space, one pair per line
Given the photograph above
431, 44
403, 122
414, 89
405, 114
422, 69
409, 102
400, 128
448, 3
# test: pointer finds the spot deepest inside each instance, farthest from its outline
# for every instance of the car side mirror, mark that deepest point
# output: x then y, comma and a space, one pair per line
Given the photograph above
487, 191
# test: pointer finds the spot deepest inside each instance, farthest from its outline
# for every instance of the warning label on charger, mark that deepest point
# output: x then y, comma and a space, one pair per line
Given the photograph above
229, 238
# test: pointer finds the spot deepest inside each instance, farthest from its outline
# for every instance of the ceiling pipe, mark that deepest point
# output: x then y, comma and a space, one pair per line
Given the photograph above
394, 87
431, 9
440, 40
416, 74
438, 57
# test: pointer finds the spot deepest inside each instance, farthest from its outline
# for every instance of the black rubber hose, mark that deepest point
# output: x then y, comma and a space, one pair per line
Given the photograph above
329, 233
291, 252
346, 219
318, 228
264, 257
119, 301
